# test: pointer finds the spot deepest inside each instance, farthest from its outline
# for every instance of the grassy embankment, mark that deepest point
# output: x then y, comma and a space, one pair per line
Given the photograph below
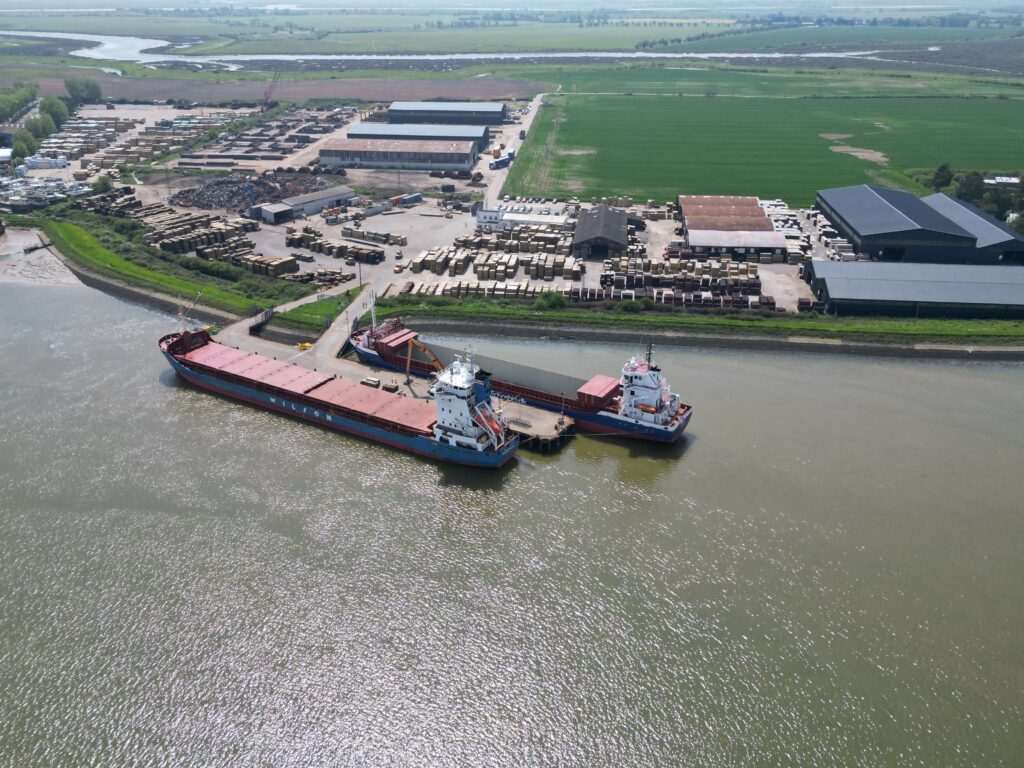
236, 292
659, 147
863, 329
317, 315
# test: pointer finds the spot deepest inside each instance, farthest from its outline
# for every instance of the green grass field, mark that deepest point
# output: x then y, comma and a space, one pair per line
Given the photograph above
314, 315
846, 37
83, 247
651, 147
526, 36
696, 78
311, 33
79, 246
867, 329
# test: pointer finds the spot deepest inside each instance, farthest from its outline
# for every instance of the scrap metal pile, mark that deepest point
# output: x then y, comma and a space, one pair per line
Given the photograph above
238, 191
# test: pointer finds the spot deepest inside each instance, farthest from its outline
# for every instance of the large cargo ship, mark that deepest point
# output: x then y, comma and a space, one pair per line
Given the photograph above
639, 404
459, 426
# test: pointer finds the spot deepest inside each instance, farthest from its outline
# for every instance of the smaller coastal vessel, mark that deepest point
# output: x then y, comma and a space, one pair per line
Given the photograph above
638, 405
647, 400
459, 424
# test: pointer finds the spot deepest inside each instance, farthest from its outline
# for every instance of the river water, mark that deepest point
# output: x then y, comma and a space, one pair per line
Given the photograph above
828, 572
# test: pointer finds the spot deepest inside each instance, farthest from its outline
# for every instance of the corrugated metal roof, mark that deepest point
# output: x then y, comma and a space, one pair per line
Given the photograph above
704, 238
275, 207
924, 292
722, 222
988, 230
399, 145
320, 194
601, 222
535, 218
718, 201
448, 106
924, 283
871, 210
418, 131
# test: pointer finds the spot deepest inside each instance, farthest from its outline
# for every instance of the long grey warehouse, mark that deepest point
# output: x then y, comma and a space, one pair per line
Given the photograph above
480, 135
925, 290
404, 155
452, 112
896, 226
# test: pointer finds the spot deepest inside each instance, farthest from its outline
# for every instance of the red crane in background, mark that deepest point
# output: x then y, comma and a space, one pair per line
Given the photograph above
270, 91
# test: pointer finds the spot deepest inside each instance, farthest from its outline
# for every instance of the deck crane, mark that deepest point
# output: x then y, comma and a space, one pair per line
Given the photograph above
270, 91
414, 342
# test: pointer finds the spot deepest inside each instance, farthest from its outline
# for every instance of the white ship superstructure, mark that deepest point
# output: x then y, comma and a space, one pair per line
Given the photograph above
646, 395
465, 417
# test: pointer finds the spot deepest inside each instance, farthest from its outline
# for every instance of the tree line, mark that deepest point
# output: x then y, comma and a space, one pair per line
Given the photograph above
997, 200
54, 111
14, 99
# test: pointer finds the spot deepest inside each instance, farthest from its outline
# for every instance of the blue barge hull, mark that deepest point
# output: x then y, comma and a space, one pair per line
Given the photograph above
590, 421
422, 446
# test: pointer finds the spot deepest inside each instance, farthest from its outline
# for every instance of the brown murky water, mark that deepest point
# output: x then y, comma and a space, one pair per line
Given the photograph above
828, 572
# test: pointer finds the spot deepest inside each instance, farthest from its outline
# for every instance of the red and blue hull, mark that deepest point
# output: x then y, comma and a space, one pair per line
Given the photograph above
420, 445
596, 422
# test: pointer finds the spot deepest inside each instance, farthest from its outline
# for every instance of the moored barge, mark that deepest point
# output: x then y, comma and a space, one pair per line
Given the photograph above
639, 404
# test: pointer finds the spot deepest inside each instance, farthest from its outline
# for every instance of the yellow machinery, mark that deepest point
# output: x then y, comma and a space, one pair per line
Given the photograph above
425, 350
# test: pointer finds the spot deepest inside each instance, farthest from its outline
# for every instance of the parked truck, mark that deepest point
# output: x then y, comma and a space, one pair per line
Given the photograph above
501, 162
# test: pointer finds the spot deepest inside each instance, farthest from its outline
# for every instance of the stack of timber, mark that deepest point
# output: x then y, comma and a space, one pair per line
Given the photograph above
314, 240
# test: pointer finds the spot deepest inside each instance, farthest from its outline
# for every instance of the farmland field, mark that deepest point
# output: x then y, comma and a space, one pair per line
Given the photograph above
650, 147
695, 79
312, 33
841, 36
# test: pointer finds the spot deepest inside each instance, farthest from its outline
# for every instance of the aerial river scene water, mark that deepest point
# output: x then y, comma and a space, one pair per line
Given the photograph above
826, 571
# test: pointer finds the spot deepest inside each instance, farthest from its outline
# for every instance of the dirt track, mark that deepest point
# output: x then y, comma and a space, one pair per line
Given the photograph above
366, 88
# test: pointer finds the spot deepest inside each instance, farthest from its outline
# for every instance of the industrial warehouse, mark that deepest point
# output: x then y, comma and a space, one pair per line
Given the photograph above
888, 225
303, 205
705, 252
734, 226
405, 155
479, 135
419, 136
449, 112
917, 290
601, 232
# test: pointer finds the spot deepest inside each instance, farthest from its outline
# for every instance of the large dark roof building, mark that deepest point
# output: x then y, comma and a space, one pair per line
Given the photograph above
457, 112
896, 226
480, 135
937, 290
389, 153
600, 232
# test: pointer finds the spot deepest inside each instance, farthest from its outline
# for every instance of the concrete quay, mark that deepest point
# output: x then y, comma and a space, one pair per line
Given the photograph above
537, 429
